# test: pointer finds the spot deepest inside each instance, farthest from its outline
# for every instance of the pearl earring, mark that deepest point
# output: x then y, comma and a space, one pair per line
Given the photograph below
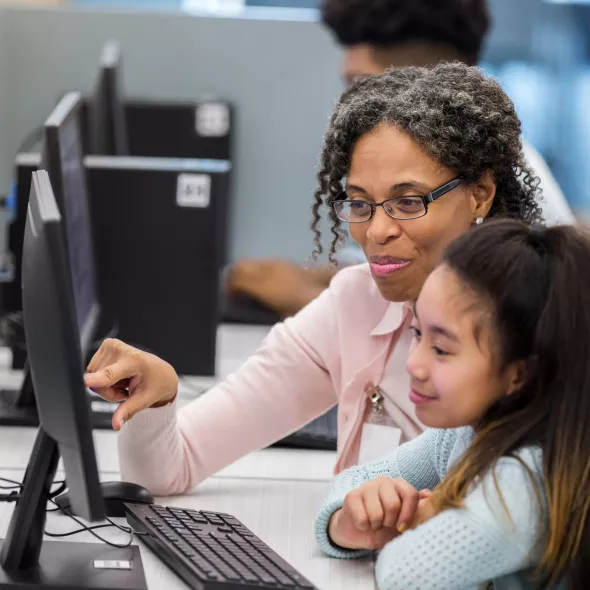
479, 221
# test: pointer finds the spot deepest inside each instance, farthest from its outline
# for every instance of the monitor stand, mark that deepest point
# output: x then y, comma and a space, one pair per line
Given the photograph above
27, 563
18, 407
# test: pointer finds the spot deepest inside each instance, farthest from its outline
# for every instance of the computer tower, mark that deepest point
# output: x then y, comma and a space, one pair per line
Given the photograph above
158, 226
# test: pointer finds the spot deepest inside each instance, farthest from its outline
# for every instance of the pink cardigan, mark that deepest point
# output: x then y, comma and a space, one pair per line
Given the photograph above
324, 355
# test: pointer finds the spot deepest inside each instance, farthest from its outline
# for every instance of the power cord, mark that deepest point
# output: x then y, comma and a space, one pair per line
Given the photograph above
14, 496
90, 529
15, 485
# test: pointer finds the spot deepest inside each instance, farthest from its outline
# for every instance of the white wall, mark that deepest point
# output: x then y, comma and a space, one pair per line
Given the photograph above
283, 78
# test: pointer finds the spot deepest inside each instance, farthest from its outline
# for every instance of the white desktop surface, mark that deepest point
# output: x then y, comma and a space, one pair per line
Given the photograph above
274, 463
280, 512
275, 492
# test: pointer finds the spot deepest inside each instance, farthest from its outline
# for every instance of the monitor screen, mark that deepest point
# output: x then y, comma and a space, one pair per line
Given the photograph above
77, 219
109, 125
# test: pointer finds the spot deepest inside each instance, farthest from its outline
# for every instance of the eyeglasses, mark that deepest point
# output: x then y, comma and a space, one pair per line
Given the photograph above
401, 208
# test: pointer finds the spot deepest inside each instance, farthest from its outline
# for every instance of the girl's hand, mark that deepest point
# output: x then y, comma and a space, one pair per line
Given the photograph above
425, 510
375, 513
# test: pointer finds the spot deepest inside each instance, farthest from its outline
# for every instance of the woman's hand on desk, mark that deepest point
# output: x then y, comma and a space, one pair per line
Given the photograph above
376, 513
281, 285
118, 372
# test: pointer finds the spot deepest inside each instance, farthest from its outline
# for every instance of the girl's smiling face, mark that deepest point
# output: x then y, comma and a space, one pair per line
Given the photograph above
455, 371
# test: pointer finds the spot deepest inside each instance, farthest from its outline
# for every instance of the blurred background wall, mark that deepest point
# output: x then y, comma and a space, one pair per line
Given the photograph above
283, 85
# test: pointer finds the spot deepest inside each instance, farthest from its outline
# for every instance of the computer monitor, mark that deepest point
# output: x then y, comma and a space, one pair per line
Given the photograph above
108, 126
62, 157
56, 351
64, 161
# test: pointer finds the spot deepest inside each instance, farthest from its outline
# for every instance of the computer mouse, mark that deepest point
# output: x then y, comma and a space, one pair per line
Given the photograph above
115, 494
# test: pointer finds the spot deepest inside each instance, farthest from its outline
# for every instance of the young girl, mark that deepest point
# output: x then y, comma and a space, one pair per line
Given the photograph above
500, 374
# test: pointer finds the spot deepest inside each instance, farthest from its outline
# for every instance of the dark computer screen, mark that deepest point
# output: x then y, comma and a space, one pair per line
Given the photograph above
63, 158
108, 122
75, 202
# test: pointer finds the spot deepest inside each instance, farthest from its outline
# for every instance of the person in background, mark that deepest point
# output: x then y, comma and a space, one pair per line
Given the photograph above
376, 35
412, 159
496, 491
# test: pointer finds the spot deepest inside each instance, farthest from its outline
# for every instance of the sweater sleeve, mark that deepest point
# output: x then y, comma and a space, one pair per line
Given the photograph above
418, 462
462, 548
283, 386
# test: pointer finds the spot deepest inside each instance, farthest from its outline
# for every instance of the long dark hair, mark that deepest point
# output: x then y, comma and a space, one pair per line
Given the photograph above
536, 284
460, 116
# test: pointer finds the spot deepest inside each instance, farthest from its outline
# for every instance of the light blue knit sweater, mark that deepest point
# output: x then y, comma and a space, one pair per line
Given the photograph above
459, 549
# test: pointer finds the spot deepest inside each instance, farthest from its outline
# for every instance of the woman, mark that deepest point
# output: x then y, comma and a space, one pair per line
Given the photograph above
412, 159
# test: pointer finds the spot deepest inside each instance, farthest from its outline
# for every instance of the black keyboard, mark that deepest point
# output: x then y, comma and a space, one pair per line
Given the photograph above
321, 434
211, 550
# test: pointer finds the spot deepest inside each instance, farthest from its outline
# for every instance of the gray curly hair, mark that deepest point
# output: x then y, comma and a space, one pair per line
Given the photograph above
455, 112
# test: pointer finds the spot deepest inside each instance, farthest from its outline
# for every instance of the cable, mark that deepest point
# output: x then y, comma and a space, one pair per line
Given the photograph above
76, 532
91, 529
62, 488
125, 529
14, 485
14, 496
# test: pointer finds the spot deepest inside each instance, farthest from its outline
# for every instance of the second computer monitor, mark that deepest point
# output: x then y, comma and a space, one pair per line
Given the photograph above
108, 125
63, 159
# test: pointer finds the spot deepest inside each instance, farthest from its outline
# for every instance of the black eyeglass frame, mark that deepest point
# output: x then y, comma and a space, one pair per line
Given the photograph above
426, 200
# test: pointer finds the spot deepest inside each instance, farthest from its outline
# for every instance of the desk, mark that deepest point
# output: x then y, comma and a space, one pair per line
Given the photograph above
276, 463
275, 492
269, 507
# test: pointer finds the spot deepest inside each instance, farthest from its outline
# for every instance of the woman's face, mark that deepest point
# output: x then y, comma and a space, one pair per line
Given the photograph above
387, 163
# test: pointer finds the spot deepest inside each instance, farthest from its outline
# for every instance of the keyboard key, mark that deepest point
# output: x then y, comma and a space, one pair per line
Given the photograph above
202, 564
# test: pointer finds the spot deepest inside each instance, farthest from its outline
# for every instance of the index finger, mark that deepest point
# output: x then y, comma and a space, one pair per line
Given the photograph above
112, 374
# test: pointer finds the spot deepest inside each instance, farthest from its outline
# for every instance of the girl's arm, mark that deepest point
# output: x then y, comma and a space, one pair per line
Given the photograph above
418, 462
461, 548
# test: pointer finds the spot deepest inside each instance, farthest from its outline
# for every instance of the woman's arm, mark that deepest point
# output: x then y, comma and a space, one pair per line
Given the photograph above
279, 389
462, 548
